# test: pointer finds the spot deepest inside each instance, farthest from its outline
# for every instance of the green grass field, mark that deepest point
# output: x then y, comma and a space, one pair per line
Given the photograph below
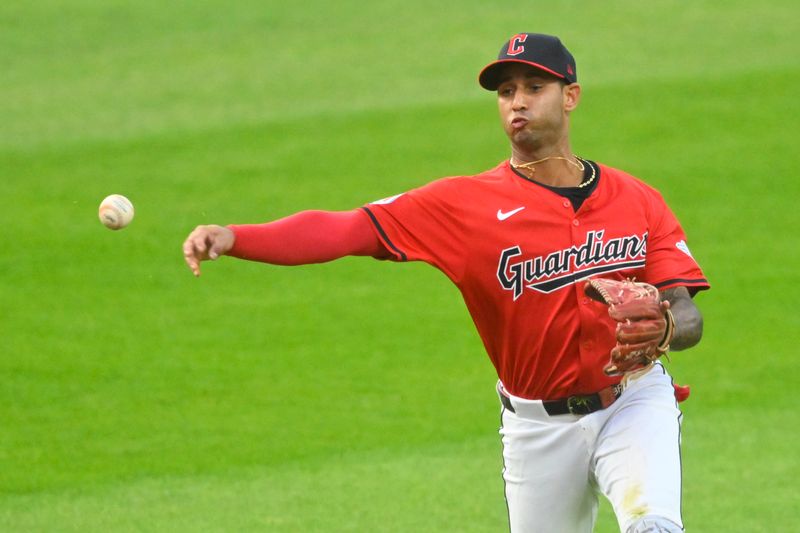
355, 395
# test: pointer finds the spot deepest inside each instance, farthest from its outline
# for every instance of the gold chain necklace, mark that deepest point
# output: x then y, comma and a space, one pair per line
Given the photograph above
579, 165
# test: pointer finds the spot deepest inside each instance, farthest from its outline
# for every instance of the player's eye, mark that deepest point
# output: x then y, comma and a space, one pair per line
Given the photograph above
535, 87
505, 91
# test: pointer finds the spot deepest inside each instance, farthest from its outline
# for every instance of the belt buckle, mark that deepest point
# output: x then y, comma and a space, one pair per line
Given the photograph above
579, 405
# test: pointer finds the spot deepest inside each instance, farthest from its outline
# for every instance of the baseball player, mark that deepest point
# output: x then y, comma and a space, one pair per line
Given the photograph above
577, 276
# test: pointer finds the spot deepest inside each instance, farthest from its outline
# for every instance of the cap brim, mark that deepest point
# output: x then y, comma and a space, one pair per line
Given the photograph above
490, 79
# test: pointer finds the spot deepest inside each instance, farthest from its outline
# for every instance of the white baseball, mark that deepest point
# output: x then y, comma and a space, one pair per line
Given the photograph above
115, 211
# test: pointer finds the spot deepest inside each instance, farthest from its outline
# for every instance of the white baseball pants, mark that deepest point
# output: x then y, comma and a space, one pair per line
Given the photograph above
555, 466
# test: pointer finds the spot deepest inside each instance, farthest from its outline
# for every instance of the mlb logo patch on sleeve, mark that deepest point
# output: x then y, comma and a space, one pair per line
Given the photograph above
681, 245
384, 201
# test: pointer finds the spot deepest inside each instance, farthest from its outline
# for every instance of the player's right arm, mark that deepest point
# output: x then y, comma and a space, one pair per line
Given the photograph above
303, 238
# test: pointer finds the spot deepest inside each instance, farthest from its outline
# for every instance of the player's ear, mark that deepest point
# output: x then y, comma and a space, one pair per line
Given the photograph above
572, 94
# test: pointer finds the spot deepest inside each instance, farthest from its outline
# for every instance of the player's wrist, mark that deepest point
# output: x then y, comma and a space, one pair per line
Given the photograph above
663, 346
232, 239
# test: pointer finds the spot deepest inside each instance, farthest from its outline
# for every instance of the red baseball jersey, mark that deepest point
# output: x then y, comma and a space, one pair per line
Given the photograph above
519, 252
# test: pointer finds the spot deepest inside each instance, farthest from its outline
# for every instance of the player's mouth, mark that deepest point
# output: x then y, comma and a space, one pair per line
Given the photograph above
518, 122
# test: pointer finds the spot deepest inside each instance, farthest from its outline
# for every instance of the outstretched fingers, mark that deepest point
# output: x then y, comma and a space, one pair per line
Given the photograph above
204, 243
195, 248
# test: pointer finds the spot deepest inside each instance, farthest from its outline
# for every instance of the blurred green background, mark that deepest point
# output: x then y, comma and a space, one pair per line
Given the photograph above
355, 396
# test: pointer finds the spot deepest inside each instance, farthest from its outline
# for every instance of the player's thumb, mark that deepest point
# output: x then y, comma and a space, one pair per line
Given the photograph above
215, 251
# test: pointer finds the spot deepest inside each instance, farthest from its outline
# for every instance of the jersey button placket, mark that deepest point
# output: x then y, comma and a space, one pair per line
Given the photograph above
584, 302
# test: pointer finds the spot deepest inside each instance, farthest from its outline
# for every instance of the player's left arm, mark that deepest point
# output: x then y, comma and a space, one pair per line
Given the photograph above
688, 320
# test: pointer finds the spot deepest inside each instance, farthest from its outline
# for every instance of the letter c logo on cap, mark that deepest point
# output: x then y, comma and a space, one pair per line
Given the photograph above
515, 44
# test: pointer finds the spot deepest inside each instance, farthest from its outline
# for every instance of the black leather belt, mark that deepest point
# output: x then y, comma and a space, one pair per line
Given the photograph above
576, 405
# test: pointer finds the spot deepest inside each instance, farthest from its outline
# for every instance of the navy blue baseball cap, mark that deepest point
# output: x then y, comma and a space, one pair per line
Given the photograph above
544, 52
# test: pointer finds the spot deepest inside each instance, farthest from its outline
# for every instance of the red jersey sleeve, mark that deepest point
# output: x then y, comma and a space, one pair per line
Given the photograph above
307, 237
423, 224
669, 261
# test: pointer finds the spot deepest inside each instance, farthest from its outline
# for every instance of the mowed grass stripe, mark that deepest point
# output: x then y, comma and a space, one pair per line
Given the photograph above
432, 488
90, 70
441, 487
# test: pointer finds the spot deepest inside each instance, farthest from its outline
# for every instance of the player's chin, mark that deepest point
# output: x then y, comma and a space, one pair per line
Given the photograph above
520, 136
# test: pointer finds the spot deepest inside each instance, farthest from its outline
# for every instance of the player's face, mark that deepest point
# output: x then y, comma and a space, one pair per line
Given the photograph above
534, 107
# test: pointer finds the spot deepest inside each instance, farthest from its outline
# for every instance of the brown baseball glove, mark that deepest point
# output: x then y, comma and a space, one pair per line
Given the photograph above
645, 324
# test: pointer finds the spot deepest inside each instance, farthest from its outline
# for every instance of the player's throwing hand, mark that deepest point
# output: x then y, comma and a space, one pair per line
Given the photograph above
206, 243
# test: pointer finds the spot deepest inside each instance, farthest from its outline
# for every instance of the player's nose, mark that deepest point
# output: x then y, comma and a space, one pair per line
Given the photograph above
519, 102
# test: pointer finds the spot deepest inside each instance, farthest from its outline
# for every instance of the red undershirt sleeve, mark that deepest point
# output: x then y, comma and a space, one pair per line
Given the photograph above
308, 237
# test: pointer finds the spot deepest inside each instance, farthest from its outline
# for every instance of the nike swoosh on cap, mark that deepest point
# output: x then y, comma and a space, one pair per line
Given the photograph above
503, 216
